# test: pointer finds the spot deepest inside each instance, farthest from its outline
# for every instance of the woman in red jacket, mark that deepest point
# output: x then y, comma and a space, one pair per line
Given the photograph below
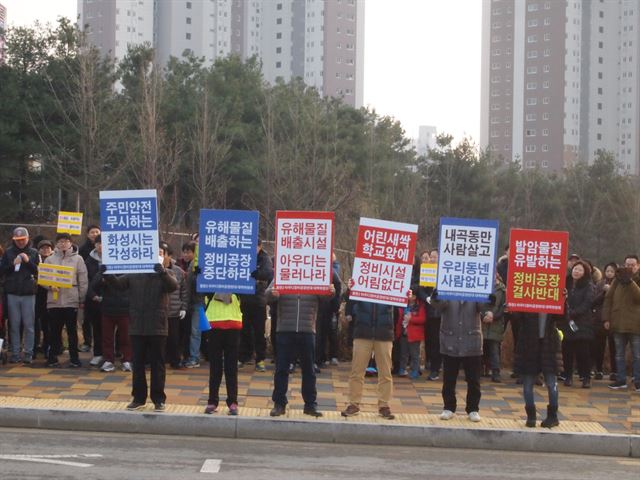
410, 331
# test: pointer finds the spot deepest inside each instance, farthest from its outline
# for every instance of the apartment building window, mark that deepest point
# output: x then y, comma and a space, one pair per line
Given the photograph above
547, 37
495, 66
532, 101
279, 50
532, 7
600, 60
531, 132
531, 117
532, 39
532, 54
533, 22
278, 64
599, 106
189, 5
279, 6
545, 100
188, 20
545, 116
532, 70
545, 132
530, 148
496, 52
547, 5
547, 21
600, 29
601, 14
188, 36
495, 79
545, 148
279, 36
599, 121
494, 134
278, 21
599, 90
599, 136
532, 85
495, 106
546, 69
545, 164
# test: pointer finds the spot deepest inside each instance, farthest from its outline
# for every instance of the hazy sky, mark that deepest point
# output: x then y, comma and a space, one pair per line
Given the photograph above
422, 58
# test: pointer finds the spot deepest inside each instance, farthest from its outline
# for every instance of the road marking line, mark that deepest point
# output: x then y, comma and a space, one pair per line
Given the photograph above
211, 465
45, 460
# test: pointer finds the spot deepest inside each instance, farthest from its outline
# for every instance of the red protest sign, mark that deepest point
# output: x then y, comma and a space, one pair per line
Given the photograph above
537, 270
303, 252
384, 260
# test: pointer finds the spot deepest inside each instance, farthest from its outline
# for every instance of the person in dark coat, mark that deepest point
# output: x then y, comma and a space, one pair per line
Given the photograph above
577, 326
148, 330
538, 351
602, 336
92, 310
91, 321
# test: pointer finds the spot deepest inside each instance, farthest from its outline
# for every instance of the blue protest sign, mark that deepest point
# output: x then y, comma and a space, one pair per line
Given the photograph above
467, 259
227, 251
129, 224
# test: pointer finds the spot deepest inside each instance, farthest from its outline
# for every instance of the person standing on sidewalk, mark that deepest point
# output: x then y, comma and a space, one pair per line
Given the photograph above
177, 308
148, 329
295, 339
225, 318
93, 307
538, 350
19, 267
254, 313
195, 302
621, 314
63, 303
373, 332
461, 346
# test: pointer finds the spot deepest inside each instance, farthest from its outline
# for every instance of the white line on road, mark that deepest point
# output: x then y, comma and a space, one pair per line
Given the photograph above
53, 459
211, 465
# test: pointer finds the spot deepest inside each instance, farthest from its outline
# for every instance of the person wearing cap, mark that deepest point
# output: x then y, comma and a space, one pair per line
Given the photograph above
19, 266
45, 250
63, 303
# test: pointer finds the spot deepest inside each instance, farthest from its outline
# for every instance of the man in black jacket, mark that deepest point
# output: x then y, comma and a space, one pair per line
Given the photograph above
148, 330
254, 313
19, 266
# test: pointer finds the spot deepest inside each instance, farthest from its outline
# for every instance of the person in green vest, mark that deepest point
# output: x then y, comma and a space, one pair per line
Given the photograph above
225, 319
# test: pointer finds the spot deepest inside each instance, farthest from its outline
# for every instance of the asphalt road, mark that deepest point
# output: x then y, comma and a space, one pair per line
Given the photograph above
27, 454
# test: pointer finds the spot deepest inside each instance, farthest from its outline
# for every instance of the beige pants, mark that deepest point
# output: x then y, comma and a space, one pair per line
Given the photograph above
361, 355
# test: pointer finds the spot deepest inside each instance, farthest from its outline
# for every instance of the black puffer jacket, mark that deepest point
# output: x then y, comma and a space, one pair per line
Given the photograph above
296, 313
373, 321
22, 282
578, 308
148, 300
115, 302
534, 355
178, 298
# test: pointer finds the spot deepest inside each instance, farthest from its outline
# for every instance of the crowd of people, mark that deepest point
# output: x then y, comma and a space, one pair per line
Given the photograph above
151, 320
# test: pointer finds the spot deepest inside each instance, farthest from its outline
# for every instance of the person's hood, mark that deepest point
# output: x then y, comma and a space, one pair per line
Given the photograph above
95, 255
69, 253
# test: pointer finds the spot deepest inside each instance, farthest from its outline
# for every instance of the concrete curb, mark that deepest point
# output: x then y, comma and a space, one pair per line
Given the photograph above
255, 428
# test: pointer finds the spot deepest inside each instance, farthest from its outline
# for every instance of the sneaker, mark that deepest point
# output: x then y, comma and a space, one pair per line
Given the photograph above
75, 364
126, 366
433, 376
84, 348
27, 360
402, 372
277, 410
385, 412
350, 411
474, 416
414, 375
562, 377
240, 364
370, 372
260, 367
192, 364
233, 409
135, 406
211, 408
598, 376
159, 407
53, 364
334, 361
621, 385
316, 369
292, 368
312, 411
14, 360
107, 367
95, 361
447, 415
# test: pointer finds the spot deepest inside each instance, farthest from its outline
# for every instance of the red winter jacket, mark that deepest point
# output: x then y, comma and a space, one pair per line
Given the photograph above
415, 329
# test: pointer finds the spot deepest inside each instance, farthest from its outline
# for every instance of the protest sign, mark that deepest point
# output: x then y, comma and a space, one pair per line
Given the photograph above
537, 270
227, 251
129, 224
70, 222
60, 276
303, 252
467, 259
383, 262
428, 274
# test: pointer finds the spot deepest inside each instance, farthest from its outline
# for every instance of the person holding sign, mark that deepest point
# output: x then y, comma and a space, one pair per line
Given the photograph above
148, 329
295, 339
19, 267
461, 346
63, 302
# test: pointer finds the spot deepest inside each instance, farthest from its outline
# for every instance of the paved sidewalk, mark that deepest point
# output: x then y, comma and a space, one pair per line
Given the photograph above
596, 410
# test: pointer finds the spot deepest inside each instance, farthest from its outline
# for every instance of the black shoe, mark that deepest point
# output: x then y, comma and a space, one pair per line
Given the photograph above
598, 376
385, 412
312, 411
277, 410
159, 407
552, 418
531, 416
75, 364
621, 385
568, 382
135, 406
316, 369
53, 363
586, 383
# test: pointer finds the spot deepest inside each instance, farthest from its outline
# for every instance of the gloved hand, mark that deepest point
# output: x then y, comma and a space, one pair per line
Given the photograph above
159, 268
103, 268
182, 314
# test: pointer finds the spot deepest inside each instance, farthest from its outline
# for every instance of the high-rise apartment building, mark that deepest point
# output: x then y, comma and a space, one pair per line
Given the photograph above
561, 80
320, 41
3, 23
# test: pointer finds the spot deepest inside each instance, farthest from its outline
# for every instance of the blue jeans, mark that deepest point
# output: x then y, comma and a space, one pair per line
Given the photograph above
194, 342
22, 312
621, 340
491, 350
527, 389
292, 345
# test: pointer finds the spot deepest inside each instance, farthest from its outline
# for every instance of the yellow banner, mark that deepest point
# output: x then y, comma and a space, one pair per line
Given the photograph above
50, 275
70, 222
428, 274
